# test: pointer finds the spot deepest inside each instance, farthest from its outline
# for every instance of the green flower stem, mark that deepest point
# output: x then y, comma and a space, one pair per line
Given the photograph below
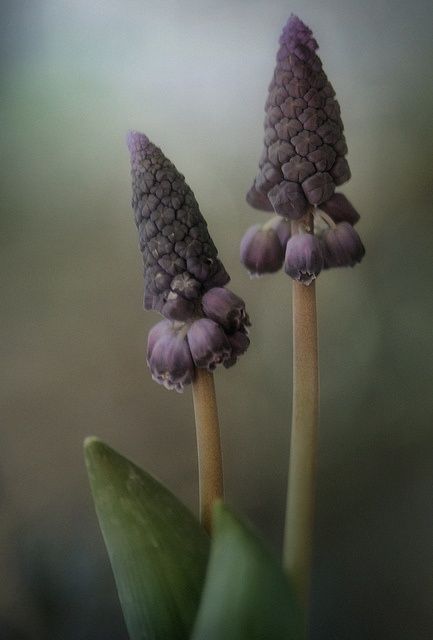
208, 444
298, 540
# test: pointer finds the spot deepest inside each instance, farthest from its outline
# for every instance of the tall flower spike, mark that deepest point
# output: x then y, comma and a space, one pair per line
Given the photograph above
180, 260
303, 158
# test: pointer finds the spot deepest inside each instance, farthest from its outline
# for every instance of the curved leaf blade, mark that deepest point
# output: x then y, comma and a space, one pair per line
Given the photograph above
247, 596
158, 550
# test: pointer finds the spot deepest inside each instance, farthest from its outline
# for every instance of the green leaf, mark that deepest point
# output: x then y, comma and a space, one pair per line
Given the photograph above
158, 550
247, 595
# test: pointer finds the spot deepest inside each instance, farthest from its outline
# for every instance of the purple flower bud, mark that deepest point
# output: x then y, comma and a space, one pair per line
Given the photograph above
288, 200
258, 200
239, 343
159, 329
178, 254
283, 228
304, 141
177, 308
304, 259
340, 209
261, 250
225, 308
208, 343
170, 359
342, 246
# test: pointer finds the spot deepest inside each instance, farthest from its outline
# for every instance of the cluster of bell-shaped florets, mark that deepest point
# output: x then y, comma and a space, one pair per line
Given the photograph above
322, 239
218, 334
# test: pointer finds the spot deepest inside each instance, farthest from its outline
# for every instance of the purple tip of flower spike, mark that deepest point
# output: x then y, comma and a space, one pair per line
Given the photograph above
136, 141
296, 34
342, 246
261, 251
170, 359
340, 209
225, 308
180, 260
304, 258
208, 344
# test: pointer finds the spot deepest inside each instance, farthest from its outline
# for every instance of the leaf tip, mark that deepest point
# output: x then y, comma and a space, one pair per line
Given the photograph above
96, 453
90, 441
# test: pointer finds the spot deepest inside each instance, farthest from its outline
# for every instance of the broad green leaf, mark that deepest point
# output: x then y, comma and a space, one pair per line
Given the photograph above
247, 595
158, 550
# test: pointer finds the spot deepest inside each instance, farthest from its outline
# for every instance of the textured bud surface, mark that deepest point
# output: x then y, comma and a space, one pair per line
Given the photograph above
180, 260
303, 157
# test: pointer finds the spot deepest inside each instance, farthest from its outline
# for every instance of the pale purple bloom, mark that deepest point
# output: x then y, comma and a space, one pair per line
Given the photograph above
158, 330
261, 250
208, 343
226, 308
304, 259
342, 246
170, 359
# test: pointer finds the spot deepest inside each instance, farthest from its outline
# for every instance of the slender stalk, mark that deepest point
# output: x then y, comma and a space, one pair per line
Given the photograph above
208, 444
301, 491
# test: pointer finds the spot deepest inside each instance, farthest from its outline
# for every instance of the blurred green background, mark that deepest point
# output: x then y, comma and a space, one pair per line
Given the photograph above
193, 76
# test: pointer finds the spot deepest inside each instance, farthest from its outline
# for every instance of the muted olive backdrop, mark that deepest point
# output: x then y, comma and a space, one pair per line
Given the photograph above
193, 76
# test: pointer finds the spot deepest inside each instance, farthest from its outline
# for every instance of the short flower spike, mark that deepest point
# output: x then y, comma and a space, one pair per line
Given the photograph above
205, 323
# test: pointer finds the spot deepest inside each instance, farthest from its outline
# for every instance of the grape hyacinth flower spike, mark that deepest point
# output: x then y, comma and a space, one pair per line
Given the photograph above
303, 159
303, 162
204, 324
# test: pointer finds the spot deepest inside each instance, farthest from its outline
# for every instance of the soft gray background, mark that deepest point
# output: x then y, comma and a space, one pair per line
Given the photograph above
193, 75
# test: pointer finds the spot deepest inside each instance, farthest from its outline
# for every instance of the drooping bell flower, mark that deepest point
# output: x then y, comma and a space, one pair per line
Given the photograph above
342, 246
304, 258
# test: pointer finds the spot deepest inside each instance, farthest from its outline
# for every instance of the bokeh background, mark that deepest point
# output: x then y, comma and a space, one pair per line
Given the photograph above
76, 75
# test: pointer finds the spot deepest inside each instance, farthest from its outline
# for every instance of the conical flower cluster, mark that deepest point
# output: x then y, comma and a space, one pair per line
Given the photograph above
303, 157
206, 324
180, 260
302, 162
